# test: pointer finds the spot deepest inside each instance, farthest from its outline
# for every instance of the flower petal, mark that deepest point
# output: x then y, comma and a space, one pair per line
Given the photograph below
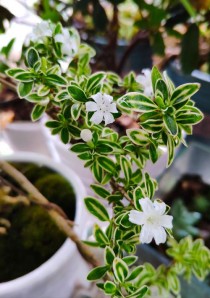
139, 78
160, 207
59, 38
113, 108
160, 235
107, 98
91, 106
166, 221
146, 205
146, 234
97, 117
108, 117
98, 97
137, 217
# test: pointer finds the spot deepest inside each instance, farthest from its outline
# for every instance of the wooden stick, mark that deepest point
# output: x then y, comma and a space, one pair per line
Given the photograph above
61, 222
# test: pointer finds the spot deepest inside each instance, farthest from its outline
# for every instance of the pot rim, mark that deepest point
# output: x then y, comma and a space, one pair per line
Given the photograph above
67, 249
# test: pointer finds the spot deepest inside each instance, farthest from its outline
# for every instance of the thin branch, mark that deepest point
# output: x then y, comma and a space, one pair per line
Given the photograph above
142, 35
62, 223
11, 86
121, 189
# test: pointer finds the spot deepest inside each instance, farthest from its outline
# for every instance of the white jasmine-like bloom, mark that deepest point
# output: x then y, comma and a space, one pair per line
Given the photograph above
86, 135
145, 80
70, 41
103, 106
40, 31
153, 220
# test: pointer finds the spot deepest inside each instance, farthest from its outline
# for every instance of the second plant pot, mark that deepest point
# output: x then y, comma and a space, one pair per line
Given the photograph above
58, 275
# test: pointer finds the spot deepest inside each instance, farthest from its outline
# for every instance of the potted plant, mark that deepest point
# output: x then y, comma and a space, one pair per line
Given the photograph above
46, 251
82, 106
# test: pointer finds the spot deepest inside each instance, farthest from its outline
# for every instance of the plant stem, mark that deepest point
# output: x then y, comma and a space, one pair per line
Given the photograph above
11, 86
61, 222
141, 35
121, 189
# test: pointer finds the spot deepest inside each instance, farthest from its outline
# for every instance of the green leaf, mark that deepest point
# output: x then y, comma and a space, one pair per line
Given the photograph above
55, 79
109, 255
80, 148
120, 269
140, 293
161, 90
24, 89
77, 93
184, 92
65, 136
110, 287
138, 136
37, 112
99, 17
97, 172
32, 57
33, 97
171, 148
174, 283
135, 273
14, 71
190, 49
62, 95
43, 90
137, 195
100, 236
52, 124
76, 110
7, 49
189, 7
155, 76
97, 273
153, 152
25, 76
74, 130
101, 191
126, 167
158, 44
191, 118
170, 124
107, 164
136, 102
96, 208
94, 80
130, 260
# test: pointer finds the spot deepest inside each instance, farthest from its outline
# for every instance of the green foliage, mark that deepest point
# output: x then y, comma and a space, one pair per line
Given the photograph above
184, 221
117, 162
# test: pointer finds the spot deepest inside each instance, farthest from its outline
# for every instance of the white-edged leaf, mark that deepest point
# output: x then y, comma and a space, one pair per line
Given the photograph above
96, 208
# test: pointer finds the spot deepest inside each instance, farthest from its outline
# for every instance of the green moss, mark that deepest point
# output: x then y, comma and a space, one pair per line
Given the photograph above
33, 237
32, 171
58, 190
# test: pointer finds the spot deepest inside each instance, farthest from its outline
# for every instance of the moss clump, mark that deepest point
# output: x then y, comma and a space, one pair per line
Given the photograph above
58, 190
32, 171
32, 239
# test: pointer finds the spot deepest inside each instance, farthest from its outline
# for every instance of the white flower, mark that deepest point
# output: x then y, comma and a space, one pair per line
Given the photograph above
86, 135
153, 220
40, 31
145, 81
70, 40
103, 108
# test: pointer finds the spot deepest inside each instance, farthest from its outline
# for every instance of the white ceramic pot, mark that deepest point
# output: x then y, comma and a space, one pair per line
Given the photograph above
27, 136
55, 278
